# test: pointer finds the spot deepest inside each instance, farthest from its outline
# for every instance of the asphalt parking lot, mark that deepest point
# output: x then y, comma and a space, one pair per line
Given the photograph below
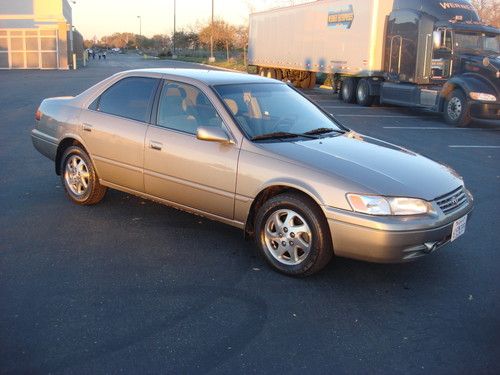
132, 286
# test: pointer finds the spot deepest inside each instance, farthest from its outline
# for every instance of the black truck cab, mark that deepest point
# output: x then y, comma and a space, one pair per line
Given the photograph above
438, 55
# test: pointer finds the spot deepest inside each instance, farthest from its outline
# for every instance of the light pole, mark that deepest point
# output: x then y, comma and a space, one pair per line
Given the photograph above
173, 38
140, 29
212, 58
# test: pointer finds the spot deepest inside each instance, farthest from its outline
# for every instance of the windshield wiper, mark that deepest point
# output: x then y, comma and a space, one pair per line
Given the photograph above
277, 135
324, 131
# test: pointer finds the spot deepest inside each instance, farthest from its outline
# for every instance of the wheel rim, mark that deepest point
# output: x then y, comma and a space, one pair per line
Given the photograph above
361, 93
76, 175
288, 237
454, 108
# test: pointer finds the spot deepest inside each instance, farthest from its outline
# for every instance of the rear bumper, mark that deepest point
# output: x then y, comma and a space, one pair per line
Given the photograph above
46, 145
377, 243
486, 111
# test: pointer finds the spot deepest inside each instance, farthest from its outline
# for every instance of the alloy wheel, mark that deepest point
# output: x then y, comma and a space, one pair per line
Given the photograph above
76, 175
288, 237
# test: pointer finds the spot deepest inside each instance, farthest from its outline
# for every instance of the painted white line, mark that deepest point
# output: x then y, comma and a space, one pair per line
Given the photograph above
434, 128
383, 116
472, 146
346, 107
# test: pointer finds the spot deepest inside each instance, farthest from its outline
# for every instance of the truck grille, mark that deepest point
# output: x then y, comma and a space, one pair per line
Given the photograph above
452, 201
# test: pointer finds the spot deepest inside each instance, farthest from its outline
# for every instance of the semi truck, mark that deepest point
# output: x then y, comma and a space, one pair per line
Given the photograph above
429, 54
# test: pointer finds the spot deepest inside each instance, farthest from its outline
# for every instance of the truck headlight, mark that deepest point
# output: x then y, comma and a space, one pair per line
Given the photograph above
378, 205
483, 96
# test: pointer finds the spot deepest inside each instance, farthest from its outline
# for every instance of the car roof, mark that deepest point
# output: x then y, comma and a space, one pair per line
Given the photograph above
206, 76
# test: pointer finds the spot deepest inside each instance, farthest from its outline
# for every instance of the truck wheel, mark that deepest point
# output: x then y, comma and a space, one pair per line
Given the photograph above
312, 83
349, 90
457, 109
271, 73
363, 96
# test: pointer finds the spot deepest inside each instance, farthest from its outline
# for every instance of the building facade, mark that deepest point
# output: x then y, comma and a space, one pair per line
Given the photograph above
35, 34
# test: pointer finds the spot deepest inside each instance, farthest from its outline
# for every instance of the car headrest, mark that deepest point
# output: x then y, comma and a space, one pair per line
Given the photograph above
232, 106
176, 91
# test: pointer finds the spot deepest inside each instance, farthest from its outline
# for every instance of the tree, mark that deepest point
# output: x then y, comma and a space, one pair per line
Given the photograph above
488, 10
224, 35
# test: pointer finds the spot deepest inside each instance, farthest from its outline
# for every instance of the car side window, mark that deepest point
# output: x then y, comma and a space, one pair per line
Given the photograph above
185, 108
130, 97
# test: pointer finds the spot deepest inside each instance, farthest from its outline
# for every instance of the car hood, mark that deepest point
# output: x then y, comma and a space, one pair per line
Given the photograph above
380, 167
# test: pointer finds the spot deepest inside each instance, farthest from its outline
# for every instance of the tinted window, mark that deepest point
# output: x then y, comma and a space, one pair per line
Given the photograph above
183, 107
130, 97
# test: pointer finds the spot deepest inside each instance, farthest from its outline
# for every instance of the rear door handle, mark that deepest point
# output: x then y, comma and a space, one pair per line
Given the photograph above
155, 145
87, 127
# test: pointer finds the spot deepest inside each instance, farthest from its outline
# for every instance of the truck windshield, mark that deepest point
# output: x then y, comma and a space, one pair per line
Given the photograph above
477, 43
266, 108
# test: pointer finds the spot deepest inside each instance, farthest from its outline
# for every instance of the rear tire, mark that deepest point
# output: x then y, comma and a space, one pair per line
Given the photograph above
456, 109
363, 96
349, 90
79, 177
292, 235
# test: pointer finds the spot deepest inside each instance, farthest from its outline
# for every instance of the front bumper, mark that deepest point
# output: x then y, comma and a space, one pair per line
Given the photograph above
486, 111
385, 239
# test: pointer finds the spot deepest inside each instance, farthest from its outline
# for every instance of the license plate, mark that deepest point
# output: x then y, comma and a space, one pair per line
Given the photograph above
458, 228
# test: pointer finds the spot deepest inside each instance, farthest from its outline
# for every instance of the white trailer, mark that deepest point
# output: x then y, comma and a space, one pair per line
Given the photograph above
331, 36
430, 54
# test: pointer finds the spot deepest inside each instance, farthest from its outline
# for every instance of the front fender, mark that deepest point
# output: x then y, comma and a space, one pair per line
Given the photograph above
468, 82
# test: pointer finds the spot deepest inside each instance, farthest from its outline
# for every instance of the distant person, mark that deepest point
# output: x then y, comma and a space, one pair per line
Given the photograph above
93, 55
104, 55
99, 55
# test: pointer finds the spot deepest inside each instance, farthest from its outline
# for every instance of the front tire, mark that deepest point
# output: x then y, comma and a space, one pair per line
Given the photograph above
457, 109
292, 235
79, 177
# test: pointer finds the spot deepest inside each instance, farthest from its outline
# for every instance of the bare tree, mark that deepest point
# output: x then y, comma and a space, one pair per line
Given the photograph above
224, 35
488, 10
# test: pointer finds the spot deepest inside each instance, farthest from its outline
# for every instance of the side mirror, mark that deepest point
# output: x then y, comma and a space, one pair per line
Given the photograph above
212, 134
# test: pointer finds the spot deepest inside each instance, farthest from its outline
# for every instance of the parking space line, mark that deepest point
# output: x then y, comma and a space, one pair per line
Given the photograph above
472, 146
434, 128
383, 116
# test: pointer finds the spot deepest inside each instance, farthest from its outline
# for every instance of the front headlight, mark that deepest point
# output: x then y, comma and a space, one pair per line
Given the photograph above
483, 97
377, 205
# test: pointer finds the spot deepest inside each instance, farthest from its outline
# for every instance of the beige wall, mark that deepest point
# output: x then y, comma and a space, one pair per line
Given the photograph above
39, 14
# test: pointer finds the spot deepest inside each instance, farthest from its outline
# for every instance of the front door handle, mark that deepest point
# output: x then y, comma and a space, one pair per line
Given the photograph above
155, 145
87, 127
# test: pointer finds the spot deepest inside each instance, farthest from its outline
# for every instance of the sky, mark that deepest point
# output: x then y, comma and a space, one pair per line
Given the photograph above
103, 17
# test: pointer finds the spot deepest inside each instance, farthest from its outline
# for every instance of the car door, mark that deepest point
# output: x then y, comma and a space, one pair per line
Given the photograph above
182, 169
114, 127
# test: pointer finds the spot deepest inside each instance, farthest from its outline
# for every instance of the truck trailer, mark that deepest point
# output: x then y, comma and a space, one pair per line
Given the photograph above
429, 54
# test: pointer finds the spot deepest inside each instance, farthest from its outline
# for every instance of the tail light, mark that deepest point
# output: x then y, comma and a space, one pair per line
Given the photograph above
38, 115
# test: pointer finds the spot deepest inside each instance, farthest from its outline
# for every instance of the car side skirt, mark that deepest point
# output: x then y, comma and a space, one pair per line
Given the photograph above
234, 223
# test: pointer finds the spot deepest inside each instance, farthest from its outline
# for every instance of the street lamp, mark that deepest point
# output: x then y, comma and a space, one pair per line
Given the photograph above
140, 28
212, 58
173, 39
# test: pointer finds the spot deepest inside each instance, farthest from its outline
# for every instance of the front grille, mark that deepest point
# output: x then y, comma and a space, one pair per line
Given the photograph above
452, 201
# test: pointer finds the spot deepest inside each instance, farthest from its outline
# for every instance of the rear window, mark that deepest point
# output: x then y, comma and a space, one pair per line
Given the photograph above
131, 98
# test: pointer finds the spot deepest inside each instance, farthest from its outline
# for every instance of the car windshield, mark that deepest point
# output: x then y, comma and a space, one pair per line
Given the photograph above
274, 109
477, 43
